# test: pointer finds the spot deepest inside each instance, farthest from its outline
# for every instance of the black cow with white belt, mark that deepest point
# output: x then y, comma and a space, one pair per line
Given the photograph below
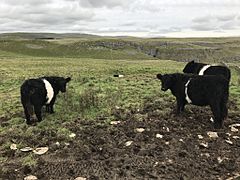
212, 90
207, 69
35, 93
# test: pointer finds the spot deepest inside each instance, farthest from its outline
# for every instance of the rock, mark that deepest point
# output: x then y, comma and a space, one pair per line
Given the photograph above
140, 130
40, 150
200, 137
80, 178
67, 144
229, 141
117, 107
181, 140
207, 154
205, 145
155, 164
72, 135
233, 129
57, 143
128, 143
13, 147
115, 122
166, 128
237, 175
26, 149
211, 119
159, 136
236, 137
30, 177
167, 143
220, 159
228, 134
235, 125
212, 134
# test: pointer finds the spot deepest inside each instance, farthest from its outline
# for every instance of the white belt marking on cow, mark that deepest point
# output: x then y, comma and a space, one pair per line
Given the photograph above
49, 89
204, 68
186, 87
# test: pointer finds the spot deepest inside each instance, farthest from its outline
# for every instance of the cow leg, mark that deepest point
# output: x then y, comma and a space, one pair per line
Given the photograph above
51, 109
183, 107
38, 112
27, 115
217, 115
180, 106
224, 110
47, 108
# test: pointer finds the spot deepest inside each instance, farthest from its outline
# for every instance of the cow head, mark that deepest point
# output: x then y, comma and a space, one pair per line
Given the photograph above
62, 83
166, 80
189, 68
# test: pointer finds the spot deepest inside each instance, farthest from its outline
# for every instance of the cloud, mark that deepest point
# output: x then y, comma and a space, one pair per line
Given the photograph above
129, 24
227, 17
202, 19
230, 25
217, 22
103, 3
45, 15
108, 17
25, 2
204, 27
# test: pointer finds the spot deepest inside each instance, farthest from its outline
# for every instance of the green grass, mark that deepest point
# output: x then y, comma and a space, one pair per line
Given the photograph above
29, 161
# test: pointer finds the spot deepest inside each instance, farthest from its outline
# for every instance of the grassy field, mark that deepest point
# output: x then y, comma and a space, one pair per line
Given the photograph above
91, 79
93, 95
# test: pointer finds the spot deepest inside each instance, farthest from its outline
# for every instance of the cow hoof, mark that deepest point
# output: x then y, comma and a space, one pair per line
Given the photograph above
217, 126
31, 123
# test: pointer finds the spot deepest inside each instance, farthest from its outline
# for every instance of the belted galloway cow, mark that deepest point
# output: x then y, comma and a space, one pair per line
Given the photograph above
207, 69
212, 90
35, 93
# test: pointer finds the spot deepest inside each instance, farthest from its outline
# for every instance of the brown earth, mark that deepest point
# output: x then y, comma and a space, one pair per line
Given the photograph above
99, 152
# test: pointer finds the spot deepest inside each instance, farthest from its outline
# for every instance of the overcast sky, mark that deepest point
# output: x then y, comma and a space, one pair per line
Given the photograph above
147, 18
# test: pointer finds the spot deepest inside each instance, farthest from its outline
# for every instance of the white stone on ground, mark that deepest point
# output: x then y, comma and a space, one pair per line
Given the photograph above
40, 150
212, 134
128, 143
140, 130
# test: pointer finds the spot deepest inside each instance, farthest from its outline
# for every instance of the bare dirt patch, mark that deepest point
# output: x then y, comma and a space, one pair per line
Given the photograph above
99, 150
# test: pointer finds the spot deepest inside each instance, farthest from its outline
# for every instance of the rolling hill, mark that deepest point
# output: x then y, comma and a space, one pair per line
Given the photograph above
101, 47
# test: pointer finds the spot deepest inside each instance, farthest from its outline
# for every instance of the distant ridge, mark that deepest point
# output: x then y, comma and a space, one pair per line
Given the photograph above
25, 35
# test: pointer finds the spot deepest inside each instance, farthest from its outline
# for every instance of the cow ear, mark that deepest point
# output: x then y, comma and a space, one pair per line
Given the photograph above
159, 76
192, 61
68, 79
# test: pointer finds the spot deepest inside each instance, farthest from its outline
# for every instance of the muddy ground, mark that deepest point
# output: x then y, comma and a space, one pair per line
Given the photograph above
99, 151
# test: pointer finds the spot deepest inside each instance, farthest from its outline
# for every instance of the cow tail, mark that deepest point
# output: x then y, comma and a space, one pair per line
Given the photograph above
228, 74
